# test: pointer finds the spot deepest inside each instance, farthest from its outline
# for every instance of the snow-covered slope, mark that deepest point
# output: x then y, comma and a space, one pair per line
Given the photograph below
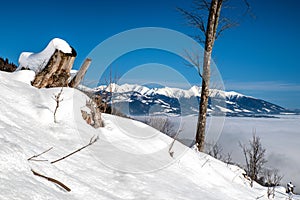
177, 101
37, 61
100, 171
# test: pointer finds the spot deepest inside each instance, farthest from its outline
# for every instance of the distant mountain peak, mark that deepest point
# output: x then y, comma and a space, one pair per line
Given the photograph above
167, 100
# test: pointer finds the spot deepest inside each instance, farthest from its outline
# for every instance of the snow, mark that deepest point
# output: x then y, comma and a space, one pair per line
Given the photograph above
178, 93
129, 161
280, 136
37, 61
234, 94
225, 110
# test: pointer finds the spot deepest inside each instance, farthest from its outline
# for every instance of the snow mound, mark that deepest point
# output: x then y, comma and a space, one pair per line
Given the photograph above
37, 61
27, 129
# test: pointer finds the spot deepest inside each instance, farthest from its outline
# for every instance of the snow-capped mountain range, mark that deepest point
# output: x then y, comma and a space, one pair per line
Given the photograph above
140, 100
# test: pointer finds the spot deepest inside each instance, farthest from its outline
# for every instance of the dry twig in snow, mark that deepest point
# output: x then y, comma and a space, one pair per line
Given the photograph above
92, 141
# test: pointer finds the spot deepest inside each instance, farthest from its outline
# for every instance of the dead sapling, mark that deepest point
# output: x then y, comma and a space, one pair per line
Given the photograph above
57, 99
92, 141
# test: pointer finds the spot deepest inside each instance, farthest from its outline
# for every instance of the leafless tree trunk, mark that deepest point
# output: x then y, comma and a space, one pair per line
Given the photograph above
210, 35
212, 25
210, 31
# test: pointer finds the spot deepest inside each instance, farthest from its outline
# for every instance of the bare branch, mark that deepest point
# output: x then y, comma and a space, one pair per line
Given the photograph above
52, 180
202, 5
272, 179
57, 100
92, 141
200, 39
225, 23
215, 151
194, 19
172, 144
228, 159
38, 160
35, 156
194, 60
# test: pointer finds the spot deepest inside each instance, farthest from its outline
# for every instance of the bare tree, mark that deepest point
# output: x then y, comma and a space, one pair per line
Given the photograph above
109, 92
215, 151
162, 124
228, 159
205, 17
57, 100
272, 178
254, 155
209, 27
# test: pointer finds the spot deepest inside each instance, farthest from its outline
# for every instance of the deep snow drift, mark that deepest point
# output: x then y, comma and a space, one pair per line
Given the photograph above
101, 171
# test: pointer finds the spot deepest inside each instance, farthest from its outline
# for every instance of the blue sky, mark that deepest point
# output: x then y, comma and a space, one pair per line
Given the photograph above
257, 58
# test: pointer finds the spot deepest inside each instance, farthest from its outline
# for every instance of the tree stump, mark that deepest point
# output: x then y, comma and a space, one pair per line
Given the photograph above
79, 76
57, 71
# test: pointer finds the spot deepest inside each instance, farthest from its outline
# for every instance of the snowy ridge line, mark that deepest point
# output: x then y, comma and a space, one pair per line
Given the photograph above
194, 91
184, 102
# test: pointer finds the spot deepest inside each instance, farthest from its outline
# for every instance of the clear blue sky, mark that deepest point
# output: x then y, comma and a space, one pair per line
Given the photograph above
258, 58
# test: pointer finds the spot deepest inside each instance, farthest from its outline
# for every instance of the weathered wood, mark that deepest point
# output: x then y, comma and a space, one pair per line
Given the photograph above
79, 76
57, 71
94, 117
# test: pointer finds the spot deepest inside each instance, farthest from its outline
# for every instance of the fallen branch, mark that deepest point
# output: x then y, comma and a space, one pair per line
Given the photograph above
52, 180
92, 141
35, 156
